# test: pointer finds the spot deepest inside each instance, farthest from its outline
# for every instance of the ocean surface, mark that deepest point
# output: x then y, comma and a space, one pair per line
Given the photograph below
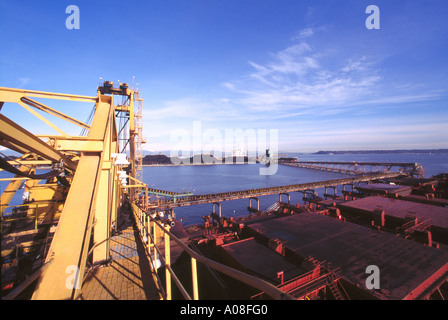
221, 178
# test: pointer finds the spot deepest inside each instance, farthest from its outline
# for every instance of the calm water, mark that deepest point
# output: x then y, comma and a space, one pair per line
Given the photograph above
222, 178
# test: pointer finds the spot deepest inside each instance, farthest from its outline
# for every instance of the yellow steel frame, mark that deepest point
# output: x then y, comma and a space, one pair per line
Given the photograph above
12, 187
12, 133
91, 204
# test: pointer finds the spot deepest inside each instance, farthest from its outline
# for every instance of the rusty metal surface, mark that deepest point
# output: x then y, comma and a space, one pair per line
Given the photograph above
415, 182
406, 267
426, 199
384, 188
332, 202
261, 261
400, 209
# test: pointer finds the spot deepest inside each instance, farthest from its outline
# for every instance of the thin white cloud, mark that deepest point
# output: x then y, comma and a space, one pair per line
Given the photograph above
22, 82
292, 60
399, 99
296, 79
357, 64
229, 85
380, 134
305, 33
190, 109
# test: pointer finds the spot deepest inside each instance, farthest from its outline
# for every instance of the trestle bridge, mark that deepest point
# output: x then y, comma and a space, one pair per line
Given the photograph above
173, 199
360, 167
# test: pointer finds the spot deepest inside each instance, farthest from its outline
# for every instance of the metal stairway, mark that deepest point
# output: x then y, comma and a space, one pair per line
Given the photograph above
333, 285
273, 207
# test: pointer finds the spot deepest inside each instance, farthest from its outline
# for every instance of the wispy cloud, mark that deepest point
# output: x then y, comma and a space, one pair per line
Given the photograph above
357, 64
308, 32
400, 99
424, 132
296, 79
299, 80
22, 82
304, 33
194, 109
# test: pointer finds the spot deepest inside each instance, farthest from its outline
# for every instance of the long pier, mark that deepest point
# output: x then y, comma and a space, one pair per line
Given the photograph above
359, 167
252, 193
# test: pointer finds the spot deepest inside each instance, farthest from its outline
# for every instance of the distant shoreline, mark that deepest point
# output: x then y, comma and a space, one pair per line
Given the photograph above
397, 151
197, 160
161, 160
411, 151
191, 164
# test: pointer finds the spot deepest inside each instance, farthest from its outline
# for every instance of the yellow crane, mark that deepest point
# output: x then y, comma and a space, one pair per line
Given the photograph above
82, 190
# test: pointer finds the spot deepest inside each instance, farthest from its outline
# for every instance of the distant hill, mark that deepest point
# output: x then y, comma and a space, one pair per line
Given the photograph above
425, 151
163, 159
156, 159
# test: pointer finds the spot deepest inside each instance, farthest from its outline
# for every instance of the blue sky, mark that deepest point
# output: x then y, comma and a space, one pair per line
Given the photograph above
310, 69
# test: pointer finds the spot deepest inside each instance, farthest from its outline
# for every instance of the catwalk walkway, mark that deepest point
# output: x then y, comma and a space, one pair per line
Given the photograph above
128, 276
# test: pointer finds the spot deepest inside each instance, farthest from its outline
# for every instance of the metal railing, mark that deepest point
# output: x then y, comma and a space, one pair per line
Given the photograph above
416, 224
152, 232
24, 212
314, 280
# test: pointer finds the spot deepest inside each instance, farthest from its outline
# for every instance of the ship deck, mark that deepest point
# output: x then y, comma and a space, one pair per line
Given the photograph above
398, 212
406, 267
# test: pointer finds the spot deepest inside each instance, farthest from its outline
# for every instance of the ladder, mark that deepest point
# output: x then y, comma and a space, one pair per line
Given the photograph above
273, 207
335, 290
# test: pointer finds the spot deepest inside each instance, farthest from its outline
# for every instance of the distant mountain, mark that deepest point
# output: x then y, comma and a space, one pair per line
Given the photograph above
196, 159
156, 159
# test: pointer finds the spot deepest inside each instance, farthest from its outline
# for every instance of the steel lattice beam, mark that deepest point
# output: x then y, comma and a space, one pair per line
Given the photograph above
10, 132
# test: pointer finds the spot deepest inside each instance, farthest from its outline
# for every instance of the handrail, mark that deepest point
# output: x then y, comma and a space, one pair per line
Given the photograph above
176, 280
306, 283
8, 217
413, 225
312, 285
252, 281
